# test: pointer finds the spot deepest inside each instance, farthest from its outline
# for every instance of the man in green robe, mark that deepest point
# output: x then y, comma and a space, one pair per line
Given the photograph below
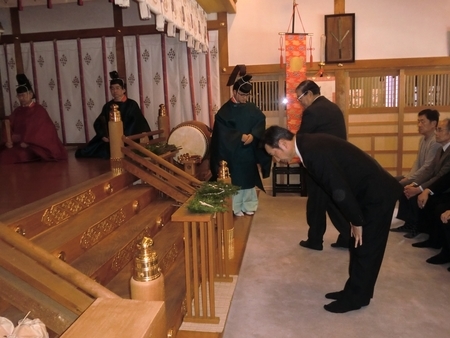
238, 128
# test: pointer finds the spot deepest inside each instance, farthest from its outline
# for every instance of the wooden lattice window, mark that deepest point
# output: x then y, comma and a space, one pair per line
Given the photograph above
265, 94
374, 91
427, 90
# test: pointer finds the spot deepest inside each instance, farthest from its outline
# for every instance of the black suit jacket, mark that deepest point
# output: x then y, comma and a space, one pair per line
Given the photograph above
358, 185
323, 116
439, 167
441, 185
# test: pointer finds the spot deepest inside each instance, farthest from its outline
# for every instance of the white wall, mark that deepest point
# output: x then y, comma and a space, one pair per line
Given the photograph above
384, 28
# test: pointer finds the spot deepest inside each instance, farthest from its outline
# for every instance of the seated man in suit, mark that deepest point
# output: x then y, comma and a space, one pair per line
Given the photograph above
434, 202
431, 202
408, 210
443, 256
427, 121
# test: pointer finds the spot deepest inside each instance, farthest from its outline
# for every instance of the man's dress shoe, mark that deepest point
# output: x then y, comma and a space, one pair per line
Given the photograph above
309, 245
439, 259
411, 234
342, 306
426, 244
339, 244
404, 228
334, 295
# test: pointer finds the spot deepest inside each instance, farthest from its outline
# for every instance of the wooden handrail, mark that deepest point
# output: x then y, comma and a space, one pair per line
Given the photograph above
64, 270
148, 133
159, 160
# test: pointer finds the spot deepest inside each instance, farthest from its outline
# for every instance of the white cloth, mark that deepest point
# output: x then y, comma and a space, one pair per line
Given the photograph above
26, 328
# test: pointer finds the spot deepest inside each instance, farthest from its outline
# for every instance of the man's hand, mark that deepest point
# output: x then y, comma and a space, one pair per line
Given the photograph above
23, 145
105, 139
247, 138
411, 190
423, 198
9, 144
356, 231
445, 216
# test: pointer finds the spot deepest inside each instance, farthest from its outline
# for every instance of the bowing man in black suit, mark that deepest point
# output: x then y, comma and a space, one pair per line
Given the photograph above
321, 116
363, 191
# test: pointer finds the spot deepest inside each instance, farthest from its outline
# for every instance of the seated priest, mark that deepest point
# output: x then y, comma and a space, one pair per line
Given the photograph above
131, 115
30, 134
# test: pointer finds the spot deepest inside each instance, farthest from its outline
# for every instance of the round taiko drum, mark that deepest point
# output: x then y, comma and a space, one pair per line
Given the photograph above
193, 137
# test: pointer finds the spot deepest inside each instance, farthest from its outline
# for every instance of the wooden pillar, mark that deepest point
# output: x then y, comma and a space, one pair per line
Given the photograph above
341, 91
339, 6
223, 57
340, 75
120, 49
15, 22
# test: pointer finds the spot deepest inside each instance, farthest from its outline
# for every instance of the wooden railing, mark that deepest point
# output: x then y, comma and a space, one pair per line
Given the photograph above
207, 260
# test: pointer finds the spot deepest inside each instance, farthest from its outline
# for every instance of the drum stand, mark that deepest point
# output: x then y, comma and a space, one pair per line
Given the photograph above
190, 163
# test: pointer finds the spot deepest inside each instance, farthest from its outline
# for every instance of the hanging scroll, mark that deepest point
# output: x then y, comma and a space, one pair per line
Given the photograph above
295, 52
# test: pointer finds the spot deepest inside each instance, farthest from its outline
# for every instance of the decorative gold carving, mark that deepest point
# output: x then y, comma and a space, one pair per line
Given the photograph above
159, 222
114, 113
162, 110
224, 172
62, 256
136, 206
126, 254
117, 166
101, 229
108, 189
60, 212
169, 258
19, 230
170, 333
184, 307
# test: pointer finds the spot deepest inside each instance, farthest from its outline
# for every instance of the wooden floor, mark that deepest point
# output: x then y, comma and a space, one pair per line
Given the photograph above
25, 183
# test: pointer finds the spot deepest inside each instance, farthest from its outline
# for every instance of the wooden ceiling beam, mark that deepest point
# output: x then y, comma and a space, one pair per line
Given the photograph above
209, 6
218, 6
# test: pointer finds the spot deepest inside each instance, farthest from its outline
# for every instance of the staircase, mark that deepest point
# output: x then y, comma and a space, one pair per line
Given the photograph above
63, 252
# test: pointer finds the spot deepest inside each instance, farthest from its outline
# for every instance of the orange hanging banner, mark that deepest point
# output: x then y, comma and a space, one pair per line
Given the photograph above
295, 52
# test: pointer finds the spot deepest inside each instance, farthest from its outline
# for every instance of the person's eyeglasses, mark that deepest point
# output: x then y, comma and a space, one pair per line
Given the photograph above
300, 97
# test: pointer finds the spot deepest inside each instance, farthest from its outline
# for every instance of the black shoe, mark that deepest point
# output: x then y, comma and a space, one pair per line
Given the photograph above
411, 234
309, 245
342, 306
426, 244
340, 244
404, 228
439, 259
334, 295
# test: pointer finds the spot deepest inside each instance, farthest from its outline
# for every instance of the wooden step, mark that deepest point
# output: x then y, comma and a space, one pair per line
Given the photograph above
105, 260
55, 209
86, 229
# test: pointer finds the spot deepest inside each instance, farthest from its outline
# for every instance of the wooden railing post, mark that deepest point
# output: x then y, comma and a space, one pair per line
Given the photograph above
115, 127
225, 229
200, 256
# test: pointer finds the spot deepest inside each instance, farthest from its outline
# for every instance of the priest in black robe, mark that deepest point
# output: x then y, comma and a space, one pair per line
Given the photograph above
131, 115
238, 129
